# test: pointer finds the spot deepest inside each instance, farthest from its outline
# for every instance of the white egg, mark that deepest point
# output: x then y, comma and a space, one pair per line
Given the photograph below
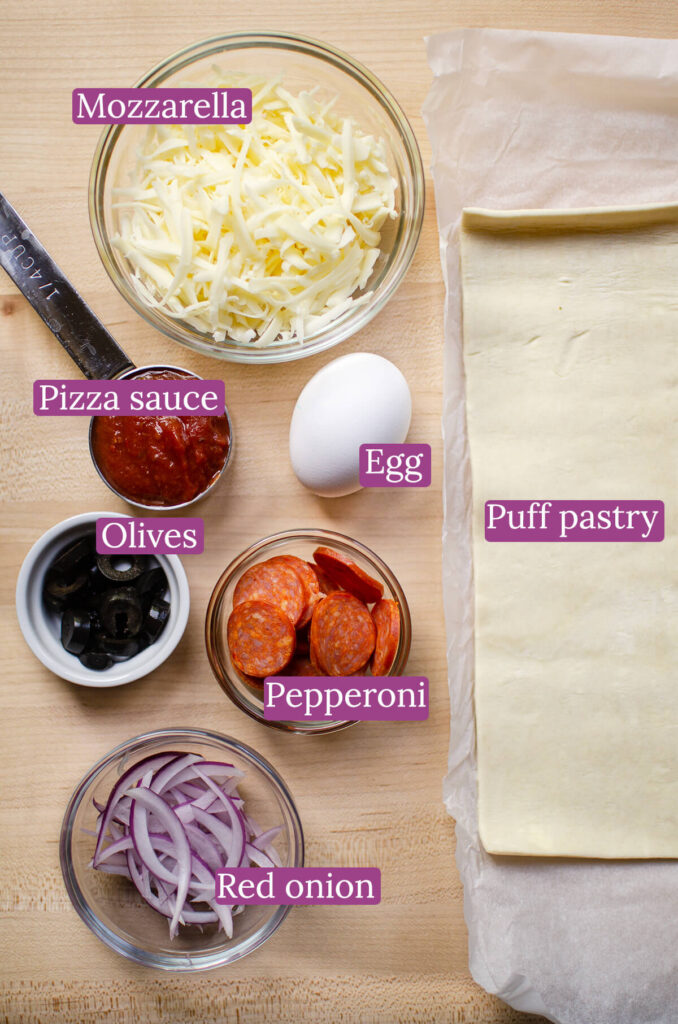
356, 399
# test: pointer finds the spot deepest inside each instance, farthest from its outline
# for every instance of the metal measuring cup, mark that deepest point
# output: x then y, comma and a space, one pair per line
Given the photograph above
91, 347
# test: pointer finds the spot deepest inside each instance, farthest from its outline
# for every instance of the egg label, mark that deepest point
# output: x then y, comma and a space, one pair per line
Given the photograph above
395, 465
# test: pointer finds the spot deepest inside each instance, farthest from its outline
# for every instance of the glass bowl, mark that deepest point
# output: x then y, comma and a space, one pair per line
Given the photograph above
112, 907
248, 697
303, 64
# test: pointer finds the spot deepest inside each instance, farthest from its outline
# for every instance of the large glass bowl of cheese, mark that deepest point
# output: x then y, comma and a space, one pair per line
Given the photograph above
271, 240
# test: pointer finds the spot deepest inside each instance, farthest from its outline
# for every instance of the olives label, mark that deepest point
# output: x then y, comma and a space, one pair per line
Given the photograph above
166, 536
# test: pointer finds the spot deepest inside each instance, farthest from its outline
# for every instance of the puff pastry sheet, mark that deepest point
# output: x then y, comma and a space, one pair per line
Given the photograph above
571, 359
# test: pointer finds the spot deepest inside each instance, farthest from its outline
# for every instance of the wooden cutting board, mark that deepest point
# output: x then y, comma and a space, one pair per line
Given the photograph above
370, 796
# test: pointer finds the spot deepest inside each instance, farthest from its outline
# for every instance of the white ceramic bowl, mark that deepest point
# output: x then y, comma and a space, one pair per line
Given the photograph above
41, 627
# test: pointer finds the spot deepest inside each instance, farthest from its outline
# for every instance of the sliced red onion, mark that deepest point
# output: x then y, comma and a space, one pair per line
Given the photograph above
164, 902
115, 830
231, 840
117, 846
258, 857
185, 810
207, 769
114, 869
169, 774
189, 791
170, 823
203, 846
236, 818
264, 841
144, 800
225, 916
127, 779
265, 838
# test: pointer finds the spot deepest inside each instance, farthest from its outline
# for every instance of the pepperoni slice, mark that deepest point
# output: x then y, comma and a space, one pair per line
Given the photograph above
275, 583
343, 634
313, 654
386, 615
302, 666
260, 637
347, 574
303, 641
309, 581
327, 586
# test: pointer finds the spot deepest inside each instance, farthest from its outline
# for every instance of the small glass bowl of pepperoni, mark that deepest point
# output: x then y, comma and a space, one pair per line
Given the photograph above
304, 603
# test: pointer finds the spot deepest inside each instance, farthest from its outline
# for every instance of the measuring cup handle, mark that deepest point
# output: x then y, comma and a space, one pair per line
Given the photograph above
67, 315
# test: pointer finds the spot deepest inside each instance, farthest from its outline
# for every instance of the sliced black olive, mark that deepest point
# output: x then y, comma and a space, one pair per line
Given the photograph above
121, 613
96, 581
111, 606
152, 584
95, 660
156, 618
106, 565
71, 559
59, 591
120, 648
52, 602
68, 573
76, 630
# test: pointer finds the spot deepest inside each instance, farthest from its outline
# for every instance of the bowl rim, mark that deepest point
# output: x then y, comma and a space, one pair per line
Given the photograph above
346, 325
80, 675
214, 611
186, 962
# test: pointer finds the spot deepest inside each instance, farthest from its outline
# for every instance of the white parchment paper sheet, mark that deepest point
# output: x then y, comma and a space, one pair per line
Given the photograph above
537, 120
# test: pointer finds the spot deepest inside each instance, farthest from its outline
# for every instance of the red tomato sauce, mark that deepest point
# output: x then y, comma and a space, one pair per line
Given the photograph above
160, 460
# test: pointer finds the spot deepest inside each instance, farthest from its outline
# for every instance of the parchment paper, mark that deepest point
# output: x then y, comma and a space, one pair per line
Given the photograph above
540, 120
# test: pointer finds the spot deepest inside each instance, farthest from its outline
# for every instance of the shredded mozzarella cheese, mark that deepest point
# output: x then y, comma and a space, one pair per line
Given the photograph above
257, 234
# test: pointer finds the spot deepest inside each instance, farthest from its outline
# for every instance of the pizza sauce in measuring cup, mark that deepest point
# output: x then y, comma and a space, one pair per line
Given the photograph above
152, 462
160, 461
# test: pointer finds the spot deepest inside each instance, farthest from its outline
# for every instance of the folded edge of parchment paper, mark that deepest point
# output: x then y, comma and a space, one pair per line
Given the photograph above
522, 120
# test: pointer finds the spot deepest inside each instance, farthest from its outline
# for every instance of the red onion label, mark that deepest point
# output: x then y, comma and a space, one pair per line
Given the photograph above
561, 521
301, 887
346, 698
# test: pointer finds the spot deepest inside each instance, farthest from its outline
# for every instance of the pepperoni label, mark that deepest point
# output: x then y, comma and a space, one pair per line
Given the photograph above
346, 698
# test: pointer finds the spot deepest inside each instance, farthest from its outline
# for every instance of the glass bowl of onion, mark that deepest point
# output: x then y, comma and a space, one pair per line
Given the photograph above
150, 824
267, 241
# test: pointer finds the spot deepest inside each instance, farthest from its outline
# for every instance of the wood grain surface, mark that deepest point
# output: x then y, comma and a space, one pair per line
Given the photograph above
368, 796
